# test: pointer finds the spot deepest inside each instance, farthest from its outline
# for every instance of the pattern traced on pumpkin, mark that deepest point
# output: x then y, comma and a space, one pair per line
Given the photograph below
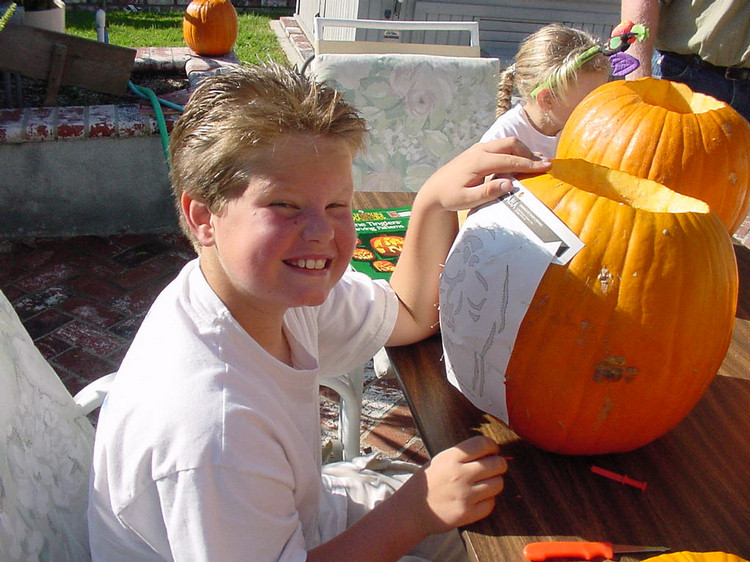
452, 305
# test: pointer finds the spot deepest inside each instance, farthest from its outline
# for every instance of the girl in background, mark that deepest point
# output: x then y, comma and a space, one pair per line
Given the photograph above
554, 69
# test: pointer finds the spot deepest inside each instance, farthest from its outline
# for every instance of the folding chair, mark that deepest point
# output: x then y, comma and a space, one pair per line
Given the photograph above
422, 110
343, 39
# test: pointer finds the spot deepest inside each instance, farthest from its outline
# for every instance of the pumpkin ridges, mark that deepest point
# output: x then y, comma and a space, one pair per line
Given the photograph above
553, 325
738, 177
627, 314
621, 113
535, 386
684, 360
605, 392
688, 171
210, 27
643, 144
523, 375
661, 305
709, 130
666, 144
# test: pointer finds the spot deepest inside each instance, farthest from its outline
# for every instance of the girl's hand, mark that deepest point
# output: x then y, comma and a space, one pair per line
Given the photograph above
458, 486
460, 184
433, 225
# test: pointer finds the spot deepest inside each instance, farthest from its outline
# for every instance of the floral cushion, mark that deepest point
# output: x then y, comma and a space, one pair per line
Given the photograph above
422, 111
45, 455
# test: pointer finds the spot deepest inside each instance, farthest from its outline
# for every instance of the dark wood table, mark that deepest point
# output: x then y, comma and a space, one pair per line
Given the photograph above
698, 474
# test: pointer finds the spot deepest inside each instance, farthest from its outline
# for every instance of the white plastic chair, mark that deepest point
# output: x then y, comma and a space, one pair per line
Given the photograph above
342, 38
350, 388
93, 394
46, 445
422, 110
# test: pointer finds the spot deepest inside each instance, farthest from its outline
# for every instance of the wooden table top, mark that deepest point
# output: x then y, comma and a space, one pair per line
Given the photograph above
698, 474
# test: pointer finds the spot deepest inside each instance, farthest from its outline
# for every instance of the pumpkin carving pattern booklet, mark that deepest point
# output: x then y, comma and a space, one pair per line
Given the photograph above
492, 271
380, 239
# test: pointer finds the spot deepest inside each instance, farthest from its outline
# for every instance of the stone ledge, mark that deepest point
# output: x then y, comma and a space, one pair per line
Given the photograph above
161, 59
37, 124
297, 37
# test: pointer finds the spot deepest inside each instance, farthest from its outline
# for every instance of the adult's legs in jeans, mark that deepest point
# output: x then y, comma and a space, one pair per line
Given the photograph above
734, 92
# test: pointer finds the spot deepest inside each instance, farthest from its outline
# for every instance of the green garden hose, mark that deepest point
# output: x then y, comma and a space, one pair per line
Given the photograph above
156, 102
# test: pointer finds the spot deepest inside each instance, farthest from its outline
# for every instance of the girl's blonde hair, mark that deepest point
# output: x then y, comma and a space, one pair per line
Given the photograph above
543, 54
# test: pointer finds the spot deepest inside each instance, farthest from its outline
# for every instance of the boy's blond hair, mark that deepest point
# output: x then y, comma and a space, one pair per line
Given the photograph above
233, 120
542, 54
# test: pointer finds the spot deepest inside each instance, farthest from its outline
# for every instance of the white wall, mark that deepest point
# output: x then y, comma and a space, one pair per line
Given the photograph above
502, 23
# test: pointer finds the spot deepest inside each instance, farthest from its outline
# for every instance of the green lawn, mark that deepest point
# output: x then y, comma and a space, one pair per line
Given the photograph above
256, 40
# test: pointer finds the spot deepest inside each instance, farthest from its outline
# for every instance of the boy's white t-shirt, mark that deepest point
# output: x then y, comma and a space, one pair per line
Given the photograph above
515, 123
200, 415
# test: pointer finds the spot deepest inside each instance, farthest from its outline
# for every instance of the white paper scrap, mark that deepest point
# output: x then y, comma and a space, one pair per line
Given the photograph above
491, 274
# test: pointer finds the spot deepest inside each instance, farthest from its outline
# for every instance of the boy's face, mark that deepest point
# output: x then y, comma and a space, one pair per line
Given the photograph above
289, 237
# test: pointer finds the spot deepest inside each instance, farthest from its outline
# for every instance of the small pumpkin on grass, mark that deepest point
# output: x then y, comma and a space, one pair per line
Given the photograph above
619, 345
663, 131
209, 27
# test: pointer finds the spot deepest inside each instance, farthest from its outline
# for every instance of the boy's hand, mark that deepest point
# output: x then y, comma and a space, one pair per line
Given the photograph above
456, 488
460, 184
459, 485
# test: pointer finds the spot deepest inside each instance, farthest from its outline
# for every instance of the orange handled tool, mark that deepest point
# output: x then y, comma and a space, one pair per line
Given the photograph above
539, 551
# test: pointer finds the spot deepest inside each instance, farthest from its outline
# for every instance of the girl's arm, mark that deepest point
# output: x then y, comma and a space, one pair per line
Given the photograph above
433, 225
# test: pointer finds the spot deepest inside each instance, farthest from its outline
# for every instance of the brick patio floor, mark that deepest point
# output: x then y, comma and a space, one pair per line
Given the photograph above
83, 298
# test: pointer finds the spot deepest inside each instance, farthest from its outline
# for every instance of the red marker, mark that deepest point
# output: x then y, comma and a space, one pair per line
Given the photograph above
622, 479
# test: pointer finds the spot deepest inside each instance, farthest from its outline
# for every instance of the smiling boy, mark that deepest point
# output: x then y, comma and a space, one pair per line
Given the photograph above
208, 447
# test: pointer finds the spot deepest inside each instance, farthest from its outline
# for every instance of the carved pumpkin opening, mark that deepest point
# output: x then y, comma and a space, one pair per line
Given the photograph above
623, 188
661, 130
673, 96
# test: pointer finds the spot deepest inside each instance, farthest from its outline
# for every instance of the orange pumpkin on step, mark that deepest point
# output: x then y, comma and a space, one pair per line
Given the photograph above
619, 345
662, 130
209, 27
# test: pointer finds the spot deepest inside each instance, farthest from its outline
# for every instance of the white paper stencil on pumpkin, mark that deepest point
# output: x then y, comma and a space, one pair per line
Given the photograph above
490, 277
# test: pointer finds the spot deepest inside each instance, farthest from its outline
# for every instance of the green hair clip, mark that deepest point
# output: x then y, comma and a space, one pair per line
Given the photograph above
622, 37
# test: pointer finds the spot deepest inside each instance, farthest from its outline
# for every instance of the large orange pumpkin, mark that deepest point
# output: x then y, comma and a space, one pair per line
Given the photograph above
209, 27
618, 345
685, 556
662, 130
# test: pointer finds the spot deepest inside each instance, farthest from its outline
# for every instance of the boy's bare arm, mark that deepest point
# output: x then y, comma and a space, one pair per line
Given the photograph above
460, 184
